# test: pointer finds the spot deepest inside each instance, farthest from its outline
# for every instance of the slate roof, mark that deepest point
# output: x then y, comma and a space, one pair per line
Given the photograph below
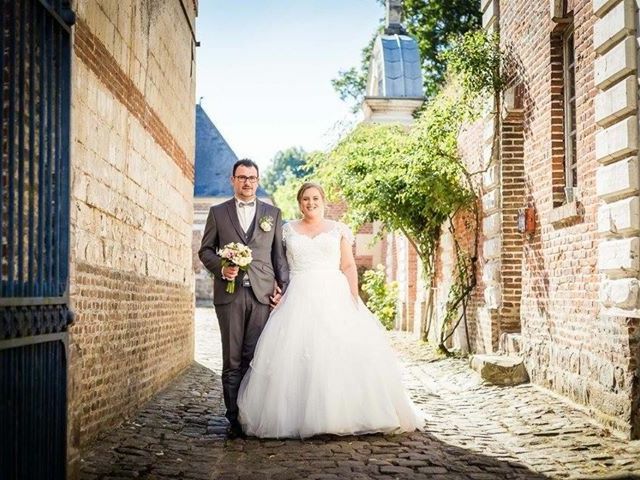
396, 60
214, 160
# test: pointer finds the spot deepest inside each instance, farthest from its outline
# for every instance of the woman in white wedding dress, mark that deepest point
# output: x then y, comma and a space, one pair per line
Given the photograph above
323, 363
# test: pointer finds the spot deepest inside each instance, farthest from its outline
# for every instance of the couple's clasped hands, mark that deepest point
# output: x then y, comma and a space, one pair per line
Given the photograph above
277, 295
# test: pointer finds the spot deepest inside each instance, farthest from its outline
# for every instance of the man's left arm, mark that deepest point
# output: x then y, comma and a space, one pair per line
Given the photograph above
207, 252
278, 255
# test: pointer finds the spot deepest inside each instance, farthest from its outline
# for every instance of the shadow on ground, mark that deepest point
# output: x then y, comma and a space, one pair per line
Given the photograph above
180, 434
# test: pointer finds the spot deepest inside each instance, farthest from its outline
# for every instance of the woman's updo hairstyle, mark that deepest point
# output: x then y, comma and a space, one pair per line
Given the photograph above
306, 186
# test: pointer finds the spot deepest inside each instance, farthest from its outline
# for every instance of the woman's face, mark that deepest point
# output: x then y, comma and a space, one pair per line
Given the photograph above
311, 203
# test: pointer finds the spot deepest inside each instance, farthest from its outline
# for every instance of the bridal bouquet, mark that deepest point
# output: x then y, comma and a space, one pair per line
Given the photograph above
235, 255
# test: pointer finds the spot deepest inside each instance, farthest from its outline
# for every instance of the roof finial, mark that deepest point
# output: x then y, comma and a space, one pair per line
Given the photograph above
393, 24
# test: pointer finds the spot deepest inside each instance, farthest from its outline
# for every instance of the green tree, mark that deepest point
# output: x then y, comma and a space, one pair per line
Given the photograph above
433, 23
291, 162
284, 197
381, 296
412, 179
409, 179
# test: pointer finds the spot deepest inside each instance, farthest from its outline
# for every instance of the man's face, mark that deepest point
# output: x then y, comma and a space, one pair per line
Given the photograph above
245, 182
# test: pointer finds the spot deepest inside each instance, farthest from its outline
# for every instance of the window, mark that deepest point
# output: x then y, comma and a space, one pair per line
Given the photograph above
564, 159
569, 102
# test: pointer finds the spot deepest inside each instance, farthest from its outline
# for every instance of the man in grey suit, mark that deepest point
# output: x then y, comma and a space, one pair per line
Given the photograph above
243, 314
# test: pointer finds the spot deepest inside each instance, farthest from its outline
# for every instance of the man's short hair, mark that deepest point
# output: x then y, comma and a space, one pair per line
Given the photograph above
245, 162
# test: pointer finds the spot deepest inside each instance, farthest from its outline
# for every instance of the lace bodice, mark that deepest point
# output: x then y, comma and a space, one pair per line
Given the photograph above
321, 252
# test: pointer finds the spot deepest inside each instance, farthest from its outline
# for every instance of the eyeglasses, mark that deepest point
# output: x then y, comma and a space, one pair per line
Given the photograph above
243, 179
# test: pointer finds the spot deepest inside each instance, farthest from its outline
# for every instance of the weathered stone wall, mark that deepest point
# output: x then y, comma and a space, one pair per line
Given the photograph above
131, 207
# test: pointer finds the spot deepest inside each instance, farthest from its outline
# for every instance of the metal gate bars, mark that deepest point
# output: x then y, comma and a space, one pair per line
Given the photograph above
35, 58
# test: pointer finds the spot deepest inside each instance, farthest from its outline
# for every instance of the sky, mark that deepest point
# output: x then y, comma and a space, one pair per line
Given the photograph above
264, 69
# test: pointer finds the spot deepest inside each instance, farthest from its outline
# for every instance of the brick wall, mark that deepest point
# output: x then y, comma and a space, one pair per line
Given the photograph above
129, 339
513, 199
364, 258
559, 280
572, 343
131, 282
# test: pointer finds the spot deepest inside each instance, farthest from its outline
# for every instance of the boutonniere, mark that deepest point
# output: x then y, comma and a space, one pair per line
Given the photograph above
266, 223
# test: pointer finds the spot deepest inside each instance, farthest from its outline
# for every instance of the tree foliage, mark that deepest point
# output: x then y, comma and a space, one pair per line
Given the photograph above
291, 162
382, 297
475, 59
434, 24
412, 179
284, 197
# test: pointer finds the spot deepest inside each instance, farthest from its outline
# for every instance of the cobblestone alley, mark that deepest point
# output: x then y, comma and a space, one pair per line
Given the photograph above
473, 431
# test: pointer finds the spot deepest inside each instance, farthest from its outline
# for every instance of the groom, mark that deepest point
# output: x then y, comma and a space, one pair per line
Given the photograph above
243, 314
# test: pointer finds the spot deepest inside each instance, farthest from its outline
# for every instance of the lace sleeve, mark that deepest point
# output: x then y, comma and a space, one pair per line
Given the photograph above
286, 231
346, 233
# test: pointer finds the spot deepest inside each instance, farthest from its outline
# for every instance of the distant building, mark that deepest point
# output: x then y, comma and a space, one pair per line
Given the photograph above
214, 166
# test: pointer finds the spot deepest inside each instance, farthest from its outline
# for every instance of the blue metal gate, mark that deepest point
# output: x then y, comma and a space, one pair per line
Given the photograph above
35, 58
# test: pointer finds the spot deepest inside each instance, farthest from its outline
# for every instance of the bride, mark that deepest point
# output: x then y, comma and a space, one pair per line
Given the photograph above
323, 363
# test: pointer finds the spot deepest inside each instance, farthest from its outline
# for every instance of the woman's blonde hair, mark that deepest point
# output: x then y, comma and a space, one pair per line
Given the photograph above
306, 186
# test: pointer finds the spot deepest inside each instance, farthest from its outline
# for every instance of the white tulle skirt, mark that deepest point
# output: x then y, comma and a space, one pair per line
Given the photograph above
323, 365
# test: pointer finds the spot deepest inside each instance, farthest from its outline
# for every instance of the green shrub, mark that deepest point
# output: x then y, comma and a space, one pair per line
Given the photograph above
381, 297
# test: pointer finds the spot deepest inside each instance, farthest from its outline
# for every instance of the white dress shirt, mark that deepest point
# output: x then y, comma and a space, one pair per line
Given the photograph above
245, 212
245, 216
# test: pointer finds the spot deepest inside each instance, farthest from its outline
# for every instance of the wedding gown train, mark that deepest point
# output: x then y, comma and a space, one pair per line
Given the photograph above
322, 364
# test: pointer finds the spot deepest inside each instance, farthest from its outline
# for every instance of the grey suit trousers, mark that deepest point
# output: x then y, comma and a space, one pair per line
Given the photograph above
241, 322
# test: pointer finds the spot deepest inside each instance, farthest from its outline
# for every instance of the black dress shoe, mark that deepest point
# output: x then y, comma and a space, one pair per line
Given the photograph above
235, 430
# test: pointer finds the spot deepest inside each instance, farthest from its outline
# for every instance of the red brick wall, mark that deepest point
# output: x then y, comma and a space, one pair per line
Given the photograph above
549, 279
513, 198
465, 225
559, 281
336, 211
412, 285
132, 339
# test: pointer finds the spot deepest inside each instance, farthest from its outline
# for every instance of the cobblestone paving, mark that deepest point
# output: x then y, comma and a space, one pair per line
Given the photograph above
474, 432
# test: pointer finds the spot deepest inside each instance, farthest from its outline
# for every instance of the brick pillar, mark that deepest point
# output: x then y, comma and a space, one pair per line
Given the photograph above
513, 198
412, 286
400, 256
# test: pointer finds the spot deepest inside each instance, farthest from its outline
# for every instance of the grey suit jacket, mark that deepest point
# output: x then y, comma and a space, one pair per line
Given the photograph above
269, 263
